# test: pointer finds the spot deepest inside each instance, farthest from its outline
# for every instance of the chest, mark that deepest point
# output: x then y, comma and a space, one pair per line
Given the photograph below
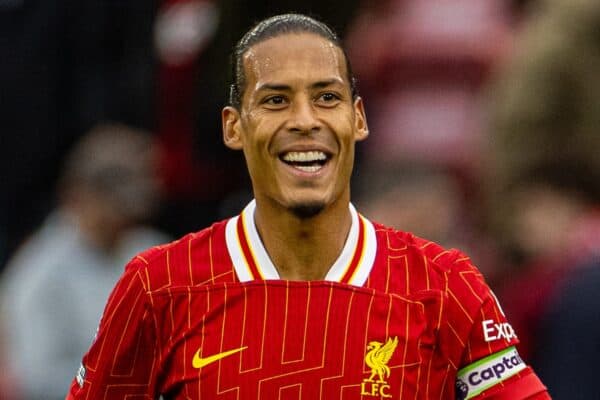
294, 340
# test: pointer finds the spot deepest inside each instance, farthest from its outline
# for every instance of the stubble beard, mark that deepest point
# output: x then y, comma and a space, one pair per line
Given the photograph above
307, 210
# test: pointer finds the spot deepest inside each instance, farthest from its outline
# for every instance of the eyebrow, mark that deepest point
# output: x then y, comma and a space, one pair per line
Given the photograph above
282, 87
326, 83
274, 87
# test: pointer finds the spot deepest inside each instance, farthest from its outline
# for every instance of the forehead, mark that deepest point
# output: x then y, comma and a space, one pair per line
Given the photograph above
294, 56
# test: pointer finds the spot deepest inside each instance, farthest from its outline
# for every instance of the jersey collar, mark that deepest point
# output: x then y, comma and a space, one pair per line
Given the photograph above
252, 262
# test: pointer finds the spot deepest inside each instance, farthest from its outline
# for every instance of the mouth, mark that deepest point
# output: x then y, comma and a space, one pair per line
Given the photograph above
305, 161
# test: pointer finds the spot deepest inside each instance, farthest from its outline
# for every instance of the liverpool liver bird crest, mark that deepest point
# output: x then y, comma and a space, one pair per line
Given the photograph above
378, 356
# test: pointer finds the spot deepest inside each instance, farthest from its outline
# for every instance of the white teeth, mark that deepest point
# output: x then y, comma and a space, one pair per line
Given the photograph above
311, 168
304, 156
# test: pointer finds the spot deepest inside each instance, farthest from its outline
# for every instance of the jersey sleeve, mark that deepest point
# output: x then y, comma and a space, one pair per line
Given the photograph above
123, 357
489, 366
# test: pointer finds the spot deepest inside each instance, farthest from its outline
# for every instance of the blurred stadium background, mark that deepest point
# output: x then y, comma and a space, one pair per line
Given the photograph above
484, 119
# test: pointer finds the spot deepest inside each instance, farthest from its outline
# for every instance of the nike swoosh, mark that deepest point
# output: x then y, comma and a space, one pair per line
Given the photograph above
199, 362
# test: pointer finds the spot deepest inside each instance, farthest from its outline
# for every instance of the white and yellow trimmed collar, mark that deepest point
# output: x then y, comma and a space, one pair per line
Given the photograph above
252, 262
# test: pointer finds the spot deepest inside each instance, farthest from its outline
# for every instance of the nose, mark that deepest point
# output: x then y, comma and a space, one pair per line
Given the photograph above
303, 118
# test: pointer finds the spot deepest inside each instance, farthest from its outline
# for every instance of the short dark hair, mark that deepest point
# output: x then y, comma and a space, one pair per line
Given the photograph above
273, 27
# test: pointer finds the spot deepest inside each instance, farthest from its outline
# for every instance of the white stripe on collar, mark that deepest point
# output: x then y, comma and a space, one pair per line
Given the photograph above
251, 260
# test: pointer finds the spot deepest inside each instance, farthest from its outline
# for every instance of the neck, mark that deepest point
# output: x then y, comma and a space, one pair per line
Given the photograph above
303, 248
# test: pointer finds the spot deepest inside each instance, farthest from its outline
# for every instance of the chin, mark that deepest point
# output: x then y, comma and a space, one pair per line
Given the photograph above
307, 209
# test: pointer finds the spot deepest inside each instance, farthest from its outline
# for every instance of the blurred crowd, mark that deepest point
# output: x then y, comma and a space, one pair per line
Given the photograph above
484, 117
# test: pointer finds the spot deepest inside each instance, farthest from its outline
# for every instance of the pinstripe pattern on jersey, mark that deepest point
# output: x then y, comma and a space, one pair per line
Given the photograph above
294, 342
303, 339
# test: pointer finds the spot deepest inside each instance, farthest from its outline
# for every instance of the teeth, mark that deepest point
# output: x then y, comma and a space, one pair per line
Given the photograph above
310, 168
304, 156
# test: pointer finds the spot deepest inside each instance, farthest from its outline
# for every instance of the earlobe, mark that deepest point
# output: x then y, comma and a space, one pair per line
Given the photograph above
230, 120
361, 127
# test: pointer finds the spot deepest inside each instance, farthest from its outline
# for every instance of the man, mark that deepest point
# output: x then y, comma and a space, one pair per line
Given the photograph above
300, 296
54, 288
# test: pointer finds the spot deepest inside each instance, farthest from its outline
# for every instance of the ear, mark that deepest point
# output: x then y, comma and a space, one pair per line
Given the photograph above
231, 124
361, 128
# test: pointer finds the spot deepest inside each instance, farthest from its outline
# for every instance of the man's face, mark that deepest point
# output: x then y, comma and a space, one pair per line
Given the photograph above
298, 122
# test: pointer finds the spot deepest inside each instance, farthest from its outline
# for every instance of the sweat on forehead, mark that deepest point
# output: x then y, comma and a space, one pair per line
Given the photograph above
274, 27
303, 50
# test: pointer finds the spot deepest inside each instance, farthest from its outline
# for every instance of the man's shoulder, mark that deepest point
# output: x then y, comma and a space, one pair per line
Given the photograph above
425, 264
195, 259
393, 241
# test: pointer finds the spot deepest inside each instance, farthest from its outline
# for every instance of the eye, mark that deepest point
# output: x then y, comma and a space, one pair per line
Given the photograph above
276, 101
328, 99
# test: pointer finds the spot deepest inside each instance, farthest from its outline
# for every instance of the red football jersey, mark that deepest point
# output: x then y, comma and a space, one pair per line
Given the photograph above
207, 317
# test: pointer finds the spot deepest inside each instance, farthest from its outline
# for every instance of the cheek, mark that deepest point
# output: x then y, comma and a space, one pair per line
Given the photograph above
344, 126
251, 136
349, 164
256, 149
262, 136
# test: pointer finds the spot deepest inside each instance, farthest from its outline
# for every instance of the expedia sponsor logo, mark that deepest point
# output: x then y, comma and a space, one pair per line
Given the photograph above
489, 371
493, 331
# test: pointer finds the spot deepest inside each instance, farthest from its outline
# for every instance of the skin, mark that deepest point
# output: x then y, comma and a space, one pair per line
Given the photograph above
297, 98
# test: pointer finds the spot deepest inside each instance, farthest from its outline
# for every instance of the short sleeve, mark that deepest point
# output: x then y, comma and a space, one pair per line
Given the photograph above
489, 366
491, 332
475, 325
122, 359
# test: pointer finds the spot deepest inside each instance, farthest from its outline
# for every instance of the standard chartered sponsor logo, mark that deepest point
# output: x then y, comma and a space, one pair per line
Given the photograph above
490, 371
493, 331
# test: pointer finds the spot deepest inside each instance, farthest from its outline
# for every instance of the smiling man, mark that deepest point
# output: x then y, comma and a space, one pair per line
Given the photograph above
300, 296
297, 120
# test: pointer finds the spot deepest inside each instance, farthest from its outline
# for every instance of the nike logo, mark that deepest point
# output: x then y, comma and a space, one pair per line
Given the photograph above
199, 362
